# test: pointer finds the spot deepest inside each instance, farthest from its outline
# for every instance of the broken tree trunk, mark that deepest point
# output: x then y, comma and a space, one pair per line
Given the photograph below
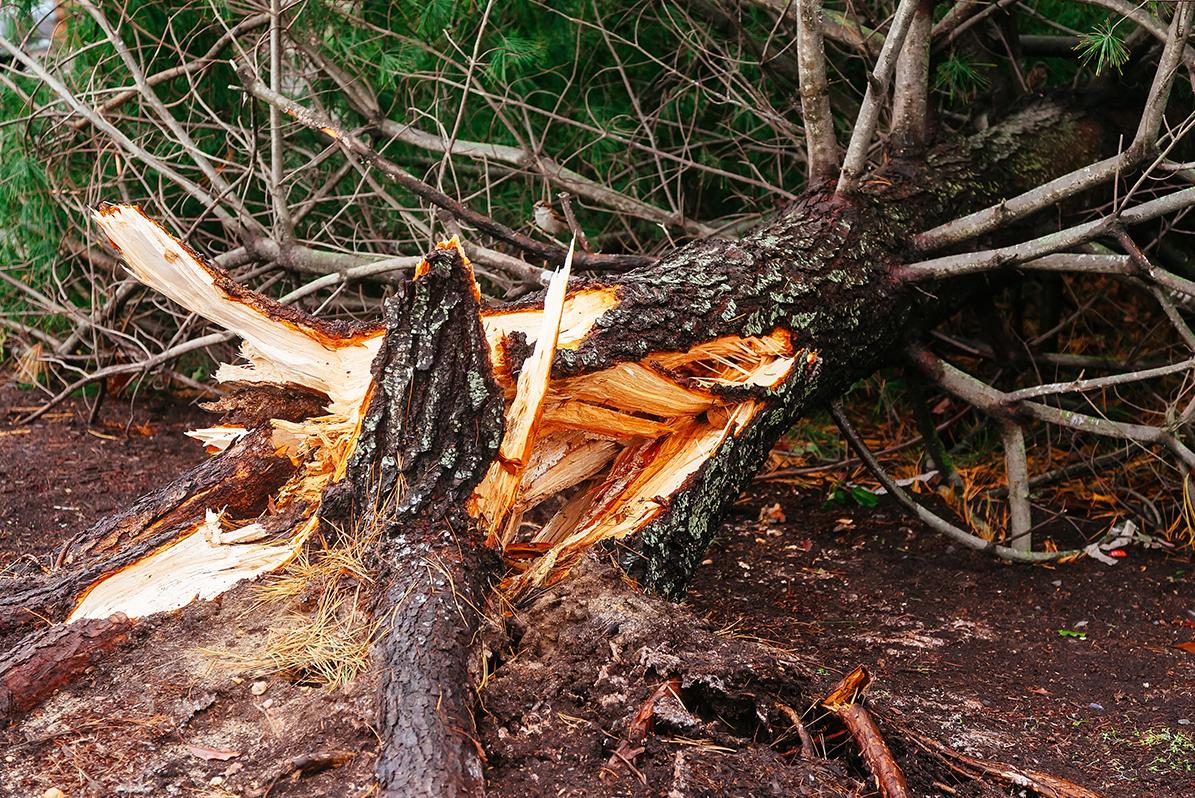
433, 423
628, 411
162, 527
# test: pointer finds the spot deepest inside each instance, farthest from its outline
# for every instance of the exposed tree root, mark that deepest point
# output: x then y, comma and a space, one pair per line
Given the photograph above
844, 701
1042, 784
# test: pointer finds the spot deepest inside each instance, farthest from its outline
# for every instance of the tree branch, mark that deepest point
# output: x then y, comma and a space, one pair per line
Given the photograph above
198, 156
910, 103
122, 97
120, 139
962, 16
930, 519
835, 25
1143, 147
820, 144
369, 156
999, 404
1015, 254
1016, 469
873, 100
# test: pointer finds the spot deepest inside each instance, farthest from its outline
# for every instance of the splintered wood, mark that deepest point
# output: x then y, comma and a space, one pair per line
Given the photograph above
613, 445
584, 458
281, 347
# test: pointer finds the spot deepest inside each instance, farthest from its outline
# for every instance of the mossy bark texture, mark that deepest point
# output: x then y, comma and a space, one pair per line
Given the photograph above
823, 271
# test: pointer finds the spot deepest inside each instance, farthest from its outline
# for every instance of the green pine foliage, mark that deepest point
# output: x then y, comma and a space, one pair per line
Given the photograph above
1103, 48
545, 62
596, 85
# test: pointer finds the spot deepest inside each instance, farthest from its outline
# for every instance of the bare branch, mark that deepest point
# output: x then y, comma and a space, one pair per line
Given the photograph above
1176, 319
1151, 273
1016, 469
163, 114
283, 226
1084, 262
998, 404
1098, 383
124, 142
821, 146
962, 16
196, 65
566, 207
1004, 257
930, 519
1143, 147
873, 100
910, 93
559, 176
129, 368
370, 157
835, 25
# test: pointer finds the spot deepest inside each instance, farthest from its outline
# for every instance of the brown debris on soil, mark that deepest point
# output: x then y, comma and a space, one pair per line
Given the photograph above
963, 651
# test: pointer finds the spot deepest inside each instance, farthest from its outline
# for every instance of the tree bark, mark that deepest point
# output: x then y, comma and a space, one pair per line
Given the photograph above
433, 425
45, 661
822, 271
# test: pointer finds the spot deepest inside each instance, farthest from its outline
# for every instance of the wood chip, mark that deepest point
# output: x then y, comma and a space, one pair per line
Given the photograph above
209, 754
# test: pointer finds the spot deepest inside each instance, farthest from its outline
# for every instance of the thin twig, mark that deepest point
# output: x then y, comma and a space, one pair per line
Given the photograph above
928, 517
369, 156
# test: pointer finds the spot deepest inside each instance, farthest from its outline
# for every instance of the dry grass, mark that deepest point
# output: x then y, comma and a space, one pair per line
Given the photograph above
330, 645
321, 629
28, 365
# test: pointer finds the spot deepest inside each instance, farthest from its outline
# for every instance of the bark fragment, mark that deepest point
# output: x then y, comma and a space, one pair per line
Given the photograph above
47, 660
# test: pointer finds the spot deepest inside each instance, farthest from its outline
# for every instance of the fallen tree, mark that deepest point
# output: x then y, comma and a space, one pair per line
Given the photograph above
639, 406
495, 445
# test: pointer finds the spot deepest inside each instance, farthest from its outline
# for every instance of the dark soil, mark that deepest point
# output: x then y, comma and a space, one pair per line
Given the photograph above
59, 474
964, 651
968, 651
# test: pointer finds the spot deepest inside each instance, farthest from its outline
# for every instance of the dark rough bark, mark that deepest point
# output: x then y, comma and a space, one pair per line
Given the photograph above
822, 270
239, 479
433, 426
251, 405
46, 660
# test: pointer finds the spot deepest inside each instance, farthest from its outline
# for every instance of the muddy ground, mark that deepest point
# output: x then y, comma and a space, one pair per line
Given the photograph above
965, 651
